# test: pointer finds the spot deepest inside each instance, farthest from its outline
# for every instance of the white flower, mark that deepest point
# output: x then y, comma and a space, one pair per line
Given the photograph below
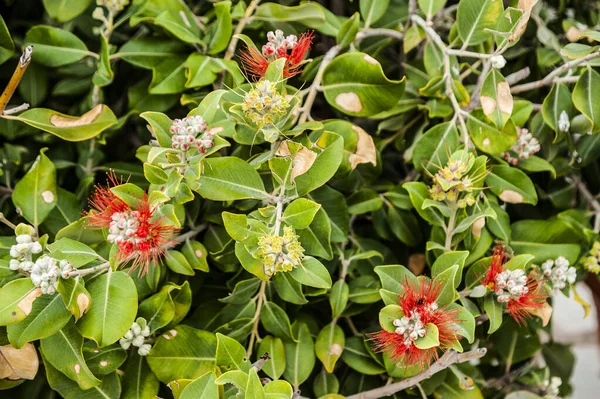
136, 335
144, 349
498, 62
559, 273
563, 122
411, 328
511, 284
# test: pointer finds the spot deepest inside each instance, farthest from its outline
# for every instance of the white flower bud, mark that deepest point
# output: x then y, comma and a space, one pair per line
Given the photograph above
498, 62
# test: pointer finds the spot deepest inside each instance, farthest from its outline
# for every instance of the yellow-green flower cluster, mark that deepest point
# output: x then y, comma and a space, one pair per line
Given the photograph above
591, 263
113, 5
280, 253
263, 103
450, 181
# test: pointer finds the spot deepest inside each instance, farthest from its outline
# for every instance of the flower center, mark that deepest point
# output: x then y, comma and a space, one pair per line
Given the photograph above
263, 103
280, 253
278, 44
411, 328
511, 284
185, 134
124, 228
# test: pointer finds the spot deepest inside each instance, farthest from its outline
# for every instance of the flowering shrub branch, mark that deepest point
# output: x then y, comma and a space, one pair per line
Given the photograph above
326, 200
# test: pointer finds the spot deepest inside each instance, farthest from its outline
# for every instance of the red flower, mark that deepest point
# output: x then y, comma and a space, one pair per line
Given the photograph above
293, 50
141, 237
419, 306
521, 293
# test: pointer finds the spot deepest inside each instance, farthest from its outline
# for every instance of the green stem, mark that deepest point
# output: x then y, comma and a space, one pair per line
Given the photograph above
450, 231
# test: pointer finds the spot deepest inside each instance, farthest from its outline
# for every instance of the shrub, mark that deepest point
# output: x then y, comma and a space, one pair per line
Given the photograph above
326, 199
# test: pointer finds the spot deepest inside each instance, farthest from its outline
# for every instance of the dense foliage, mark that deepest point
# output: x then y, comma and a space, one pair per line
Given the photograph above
315, 199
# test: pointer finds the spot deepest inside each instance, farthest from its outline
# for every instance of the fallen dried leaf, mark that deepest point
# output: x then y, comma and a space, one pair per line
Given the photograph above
18, 364
365, 149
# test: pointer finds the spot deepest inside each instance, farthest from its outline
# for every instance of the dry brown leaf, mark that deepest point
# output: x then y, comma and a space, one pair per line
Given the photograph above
26, 303
478, 225
526, 6
71, 121
505, 99
83, 302
349, 102
511, 196
573, 34
416, 263
488, 104
301, 161
365, 149
18, 364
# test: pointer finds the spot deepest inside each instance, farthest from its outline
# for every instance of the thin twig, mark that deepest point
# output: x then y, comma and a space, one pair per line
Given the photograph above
518, 76
552, 76
7, 222
312, 93
394, 34
22, 107
16, 77
254, 334
240, 28
449, 358
92, 270
190, 234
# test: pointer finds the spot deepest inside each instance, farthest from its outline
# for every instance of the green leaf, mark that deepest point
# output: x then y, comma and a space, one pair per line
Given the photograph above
586, 99
289, 289
113, 309
74, 295
159, 309
418, 193
196, 254
393, 277
330, 345
494, 312
300, 213
431, 338
254, 389
104, 75
35, 194
324, 166
66, 127
355, 84
357, 356
275, 366
447, 279
311, 272
316, 238
65, 10
177, 18
7, 46
231, 355
309, 14
55, 47
68, 389
338, 298
373, 10
496, 100
63, 351
228, 179
348, 30
299, 355
243, 291
221, 30
364, 200
487, 137
103, 361
276, 321
182, 353
511, 185
473, 17
465, 325
236, 377
555, 103
405, 226
431, 7
16, 299
432, 149
203, 387
177, 262
77, 253
47, 316
139, 382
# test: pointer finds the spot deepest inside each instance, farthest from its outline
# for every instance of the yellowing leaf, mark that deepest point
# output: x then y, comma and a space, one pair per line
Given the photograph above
526, 6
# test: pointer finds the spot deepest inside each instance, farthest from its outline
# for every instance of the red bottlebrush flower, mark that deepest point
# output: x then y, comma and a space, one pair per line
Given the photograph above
419, 306
141, 237
293, 50
521, 293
